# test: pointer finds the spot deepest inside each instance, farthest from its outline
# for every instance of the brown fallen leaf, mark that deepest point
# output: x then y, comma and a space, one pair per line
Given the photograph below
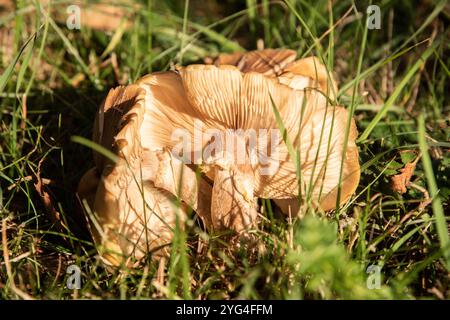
400, 181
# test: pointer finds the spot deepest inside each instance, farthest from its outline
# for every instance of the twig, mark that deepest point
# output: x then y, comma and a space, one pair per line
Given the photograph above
417, 211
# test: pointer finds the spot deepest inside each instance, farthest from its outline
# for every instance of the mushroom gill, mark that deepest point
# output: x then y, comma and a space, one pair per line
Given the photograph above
222, 120
131, 201
321, 131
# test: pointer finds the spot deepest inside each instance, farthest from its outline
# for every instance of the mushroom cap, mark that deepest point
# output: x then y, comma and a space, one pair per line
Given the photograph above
281, 62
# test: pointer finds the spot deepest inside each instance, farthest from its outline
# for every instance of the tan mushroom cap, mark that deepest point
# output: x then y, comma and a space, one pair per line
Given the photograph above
281, 62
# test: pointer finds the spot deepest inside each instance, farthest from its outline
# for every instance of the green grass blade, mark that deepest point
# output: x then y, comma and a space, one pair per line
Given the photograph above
398, 90
96, 147
438, 210
366, 73
115, 40
350, 116
184, 34
436, 11
9, 70
295, 155
73, 51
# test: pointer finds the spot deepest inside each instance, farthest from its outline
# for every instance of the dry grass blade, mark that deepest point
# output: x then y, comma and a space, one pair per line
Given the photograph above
12, 285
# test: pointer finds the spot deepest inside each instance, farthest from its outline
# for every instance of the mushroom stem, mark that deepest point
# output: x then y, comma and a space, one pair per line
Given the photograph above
233, 205
174, 176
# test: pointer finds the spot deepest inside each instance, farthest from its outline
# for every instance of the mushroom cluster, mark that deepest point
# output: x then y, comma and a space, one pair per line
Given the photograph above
213, 139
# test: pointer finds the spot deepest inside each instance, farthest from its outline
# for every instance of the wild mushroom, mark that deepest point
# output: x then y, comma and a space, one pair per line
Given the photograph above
221, 119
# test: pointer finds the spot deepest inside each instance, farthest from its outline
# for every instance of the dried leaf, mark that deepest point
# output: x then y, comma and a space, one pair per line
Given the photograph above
400, 181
